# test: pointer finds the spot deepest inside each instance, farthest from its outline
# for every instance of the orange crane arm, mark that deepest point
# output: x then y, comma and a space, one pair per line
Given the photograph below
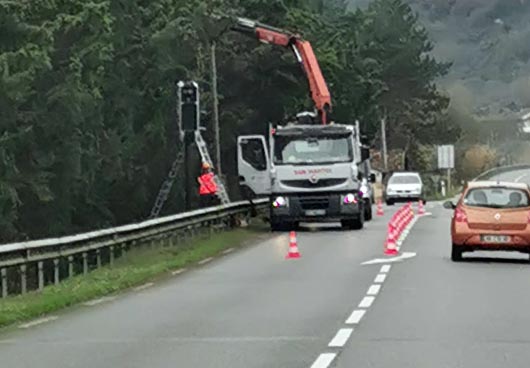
303, 52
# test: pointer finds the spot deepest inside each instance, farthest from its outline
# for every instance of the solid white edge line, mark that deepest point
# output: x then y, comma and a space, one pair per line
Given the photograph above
324, 360
94, 302
355, 317
380, 278
204, 261
341, 338
38, 322
144, 286
373, 290
366, 302
385, 268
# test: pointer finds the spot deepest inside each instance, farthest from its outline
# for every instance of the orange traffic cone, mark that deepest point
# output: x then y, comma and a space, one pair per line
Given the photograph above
379, 208
293, 247
390, 244
421, 209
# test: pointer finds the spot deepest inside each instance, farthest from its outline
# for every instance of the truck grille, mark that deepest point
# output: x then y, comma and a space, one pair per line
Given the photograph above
319, 184
314, 203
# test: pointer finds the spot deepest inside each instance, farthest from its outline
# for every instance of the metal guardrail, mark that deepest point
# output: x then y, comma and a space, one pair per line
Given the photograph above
42, 261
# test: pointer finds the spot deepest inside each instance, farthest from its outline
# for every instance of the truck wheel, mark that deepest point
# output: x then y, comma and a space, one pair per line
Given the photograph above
277, 226
368, 211
356, 224
284, 226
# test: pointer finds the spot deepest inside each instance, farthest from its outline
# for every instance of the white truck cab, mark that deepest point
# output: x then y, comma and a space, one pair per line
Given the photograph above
309, 172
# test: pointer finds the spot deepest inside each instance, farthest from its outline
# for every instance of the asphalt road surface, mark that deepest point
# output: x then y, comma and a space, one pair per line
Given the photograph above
517, 176
253, 308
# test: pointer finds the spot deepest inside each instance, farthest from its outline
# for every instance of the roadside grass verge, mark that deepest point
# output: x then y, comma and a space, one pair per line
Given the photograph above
135, 268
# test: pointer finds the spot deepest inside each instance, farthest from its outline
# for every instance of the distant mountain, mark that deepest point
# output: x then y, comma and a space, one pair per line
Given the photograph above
488, 42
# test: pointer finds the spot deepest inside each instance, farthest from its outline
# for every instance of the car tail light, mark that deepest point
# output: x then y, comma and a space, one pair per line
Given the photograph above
528, 217
460, 215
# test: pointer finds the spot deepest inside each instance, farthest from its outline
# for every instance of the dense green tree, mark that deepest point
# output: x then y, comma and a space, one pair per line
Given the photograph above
87, 123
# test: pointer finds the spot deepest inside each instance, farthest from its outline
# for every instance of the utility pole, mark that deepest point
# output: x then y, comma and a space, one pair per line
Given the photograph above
383, 139
215, 110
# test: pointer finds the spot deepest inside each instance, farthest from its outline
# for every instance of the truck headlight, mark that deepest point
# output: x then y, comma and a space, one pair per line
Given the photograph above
279, 202
349, 199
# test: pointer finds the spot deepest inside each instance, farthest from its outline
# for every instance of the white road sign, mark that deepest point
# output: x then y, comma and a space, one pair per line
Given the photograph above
446, 157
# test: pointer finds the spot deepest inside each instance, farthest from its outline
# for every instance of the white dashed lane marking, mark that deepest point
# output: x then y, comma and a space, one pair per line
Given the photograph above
385, 268
366, 302
373, 290
341, 338
324, 360
343, 335
355, 317
380, 278
229, 250
178, 272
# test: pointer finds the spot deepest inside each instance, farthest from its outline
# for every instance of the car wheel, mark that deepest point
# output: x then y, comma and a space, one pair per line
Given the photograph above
389, 202
456, 253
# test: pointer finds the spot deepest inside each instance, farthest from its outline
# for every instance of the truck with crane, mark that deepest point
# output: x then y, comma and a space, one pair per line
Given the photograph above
310, 167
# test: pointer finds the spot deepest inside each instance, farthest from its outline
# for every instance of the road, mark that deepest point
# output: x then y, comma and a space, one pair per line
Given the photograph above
253, 308
518, 176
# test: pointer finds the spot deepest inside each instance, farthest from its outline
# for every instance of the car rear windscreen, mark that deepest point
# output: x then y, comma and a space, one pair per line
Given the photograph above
404, 179
497, 197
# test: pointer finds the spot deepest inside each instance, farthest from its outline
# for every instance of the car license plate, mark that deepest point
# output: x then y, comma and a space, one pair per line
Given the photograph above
495, 238
315, 212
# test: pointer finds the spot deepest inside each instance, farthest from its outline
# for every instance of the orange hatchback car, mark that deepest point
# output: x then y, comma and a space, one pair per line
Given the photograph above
491, 216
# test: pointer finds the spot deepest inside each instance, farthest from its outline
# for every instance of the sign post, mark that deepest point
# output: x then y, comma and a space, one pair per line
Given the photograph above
188, 120
446, 160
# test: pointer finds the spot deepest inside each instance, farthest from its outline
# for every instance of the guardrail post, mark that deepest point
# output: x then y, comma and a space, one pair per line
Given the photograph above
70, 266
3, 281
85, 263
23, 279
111, 255
98, 258
56, 271
40, 271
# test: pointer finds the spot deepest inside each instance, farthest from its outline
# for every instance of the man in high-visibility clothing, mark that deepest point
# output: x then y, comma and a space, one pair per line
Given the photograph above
207, 186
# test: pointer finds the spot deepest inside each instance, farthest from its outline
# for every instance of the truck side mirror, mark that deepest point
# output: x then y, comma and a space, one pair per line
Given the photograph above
372, 178
365, 153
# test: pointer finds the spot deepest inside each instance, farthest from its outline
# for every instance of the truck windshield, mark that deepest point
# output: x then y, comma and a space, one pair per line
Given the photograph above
290, 150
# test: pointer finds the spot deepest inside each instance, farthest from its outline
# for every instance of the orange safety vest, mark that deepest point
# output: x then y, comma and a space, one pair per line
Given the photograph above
207, 184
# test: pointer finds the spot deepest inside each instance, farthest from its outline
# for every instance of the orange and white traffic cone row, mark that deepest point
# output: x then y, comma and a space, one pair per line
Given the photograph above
397, 225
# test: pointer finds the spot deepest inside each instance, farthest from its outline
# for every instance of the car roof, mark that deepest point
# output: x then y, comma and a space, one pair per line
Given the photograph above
490, 184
